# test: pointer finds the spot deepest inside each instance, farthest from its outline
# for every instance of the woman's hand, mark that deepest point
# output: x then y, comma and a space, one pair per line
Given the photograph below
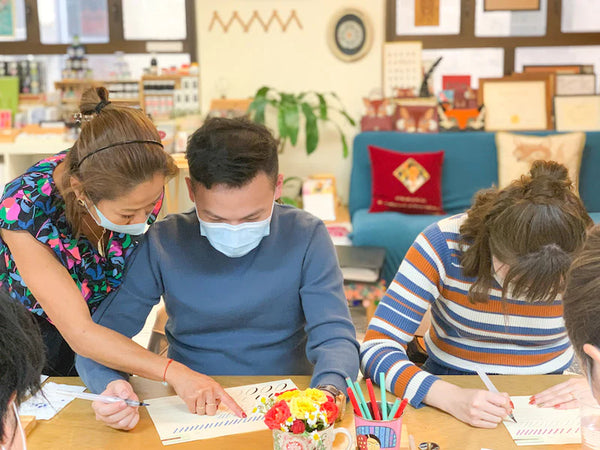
201, 393
477, 407
118, 415
561, 396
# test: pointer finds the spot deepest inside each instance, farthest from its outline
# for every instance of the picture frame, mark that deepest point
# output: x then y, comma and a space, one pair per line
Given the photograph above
573, 68
511, 5
575, 84
516, 104
577, 113
8, 18
350, 34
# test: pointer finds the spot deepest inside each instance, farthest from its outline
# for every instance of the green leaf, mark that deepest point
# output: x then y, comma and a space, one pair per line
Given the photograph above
256, 110
343, 139
322, 106
258, 104
282, 125
344, 145
347, 116
289, 201
292, 178
262, 92
289, 114
312, 129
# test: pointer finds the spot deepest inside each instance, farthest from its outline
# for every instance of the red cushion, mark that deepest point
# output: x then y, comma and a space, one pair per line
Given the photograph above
410, 183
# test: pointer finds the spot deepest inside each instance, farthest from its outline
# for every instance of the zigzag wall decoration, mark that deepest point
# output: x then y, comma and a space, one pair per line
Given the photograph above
235, 17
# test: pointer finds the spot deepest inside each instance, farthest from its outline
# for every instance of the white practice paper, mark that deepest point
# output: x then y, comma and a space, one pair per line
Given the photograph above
175, 424
543, 426
45, 406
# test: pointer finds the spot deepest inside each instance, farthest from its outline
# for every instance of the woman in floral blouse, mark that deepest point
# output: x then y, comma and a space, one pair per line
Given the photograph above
67, 227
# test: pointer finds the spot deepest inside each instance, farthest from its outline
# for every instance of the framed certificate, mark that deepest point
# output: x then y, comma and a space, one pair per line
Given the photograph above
515, 104
577, 113
511, 5
575, 84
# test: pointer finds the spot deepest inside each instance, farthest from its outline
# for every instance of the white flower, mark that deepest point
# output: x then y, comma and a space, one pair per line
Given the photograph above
315, 435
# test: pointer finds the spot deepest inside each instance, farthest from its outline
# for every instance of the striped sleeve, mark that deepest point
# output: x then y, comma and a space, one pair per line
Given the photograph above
414, 288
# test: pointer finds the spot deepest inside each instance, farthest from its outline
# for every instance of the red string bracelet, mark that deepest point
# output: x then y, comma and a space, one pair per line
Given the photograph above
164, 380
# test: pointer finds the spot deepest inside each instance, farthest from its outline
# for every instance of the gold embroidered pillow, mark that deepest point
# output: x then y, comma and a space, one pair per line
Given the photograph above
516, 152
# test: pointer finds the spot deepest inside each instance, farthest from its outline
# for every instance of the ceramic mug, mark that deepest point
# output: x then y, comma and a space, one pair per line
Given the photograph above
283, 440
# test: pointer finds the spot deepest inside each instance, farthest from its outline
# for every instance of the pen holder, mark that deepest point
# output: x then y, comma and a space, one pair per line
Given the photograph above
384, 433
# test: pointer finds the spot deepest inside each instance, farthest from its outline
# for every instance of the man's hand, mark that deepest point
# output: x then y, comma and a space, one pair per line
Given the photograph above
118, 415
201, 393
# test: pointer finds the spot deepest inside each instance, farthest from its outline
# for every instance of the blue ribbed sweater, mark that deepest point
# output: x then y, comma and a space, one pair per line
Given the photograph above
279, 310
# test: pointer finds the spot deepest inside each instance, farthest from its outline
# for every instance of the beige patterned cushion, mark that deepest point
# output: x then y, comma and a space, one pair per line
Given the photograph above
516, 152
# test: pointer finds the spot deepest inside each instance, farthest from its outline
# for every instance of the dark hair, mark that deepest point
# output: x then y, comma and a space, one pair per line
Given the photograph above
231, 152
535, 226
113, 172
582, 296
21, 355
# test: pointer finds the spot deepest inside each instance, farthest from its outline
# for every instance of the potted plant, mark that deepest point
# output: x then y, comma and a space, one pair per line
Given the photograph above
314, 106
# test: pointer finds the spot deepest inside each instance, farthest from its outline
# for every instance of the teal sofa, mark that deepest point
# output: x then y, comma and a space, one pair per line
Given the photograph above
470, 164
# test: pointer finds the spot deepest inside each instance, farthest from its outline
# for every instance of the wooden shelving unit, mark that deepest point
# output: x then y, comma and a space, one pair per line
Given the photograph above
71, 90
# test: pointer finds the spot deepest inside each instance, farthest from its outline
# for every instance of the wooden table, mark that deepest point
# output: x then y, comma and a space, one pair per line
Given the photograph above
75, 427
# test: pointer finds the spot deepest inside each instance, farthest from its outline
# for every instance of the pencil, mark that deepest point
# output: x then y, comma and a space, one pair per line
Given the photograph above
101, 398
383, 399
401, 409
488, 383
362, 400
411, 442
395, 407
352, 398
357, 398
373, 399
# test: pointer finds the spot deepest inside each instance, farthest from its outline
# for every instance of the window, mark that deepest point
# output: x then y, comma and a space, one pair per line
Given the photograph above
12, 20
61, 20
154, 20
47, 27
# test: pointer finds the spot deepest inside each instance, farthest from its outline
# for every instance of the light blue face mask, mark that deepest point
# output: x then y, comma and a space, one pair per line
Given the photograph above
235, 241
133, 228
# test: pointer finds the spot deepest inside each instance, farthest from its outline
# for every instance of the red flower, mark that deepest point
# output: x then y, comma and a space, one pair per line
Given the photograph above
298, 427
331, 409
278, 414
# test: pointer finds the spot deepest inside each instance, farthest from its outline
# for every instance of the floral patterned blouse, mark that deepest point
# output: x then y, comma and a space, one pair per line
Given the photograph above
32, 203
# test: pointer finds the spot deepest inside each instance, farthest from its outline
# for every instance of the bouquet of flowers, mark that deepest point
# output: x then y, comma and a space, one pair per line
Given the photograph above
299, 412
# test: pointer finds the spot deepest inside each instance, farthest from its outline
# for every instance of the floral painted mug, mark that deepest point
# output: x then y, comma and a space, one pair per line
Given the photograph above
319, 440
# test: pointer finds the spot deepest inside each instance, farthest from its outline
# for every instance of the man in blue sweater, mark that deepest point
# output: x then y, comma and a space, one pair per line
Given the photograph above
251, 287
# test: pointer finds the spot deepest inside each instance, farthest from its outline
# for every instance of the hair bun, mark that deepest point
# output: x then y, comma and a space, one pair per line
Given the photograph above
549, 169
90, 98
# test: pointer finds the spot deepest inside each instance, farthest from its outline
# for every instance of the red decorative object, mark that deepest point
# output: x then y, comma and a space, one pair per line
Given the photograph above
418, 115
377, 123
410, 183
456, 82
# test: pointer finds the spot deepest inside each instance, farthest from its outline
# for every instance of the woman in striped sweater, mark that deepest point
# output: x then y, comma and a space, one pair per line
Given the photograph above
493, 279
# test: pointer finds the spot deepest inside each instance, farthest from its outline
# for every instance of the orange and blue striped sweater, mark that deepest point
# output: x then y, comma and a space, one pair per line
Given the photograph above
516, 337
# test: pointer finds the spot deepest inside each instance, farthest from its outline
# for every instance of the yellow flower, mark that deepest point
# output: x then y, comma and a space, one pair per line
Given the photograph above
301, 405
288, 395
316, 395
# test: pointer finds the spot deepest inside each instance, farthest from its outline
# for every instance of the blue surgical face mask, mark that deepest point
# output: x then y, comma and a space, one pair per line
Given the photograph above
134, 228
235, 241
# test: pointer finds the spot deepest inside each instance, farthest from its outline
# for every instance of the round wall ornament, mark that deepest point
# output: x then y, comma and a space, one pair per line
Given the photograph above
350, 34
